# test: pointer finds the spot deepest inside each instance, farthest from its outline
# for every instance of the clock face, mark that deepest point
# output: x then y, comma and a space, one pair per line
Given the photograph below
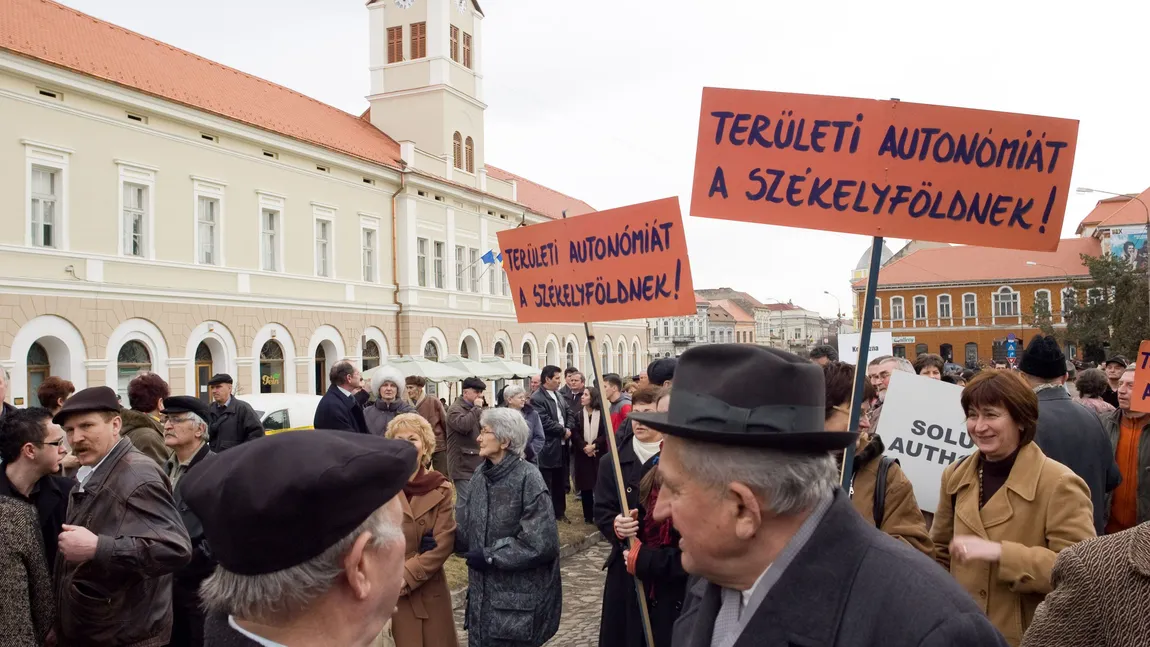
404, 4
462, 5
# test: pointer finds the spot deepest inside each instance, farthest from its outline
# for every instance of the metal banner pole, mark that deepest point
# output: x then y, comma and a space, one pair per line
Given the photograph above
860, 367
620, 487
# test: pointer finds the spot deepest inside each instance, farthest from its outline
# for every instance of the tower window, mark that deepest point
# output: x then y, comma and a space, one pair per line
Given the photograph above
418, 40
457, 150
394, 44
469, 149
455, 43
467, 50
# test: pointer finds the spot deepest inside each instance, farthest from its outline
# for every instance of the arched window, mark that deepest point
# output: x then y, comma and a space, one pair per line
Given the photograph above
528, 354
971, 355
920, 307
271, 367
469, 154
1042, 303
635, 357
457, 150
896, 309
1005, 302
320, 368
970, 305
39, 367
1069, 300
204, 365
463, 350
132, 358
370, 355
499, 349
604, 358
920, 349
570, 354
621, 357
431, 351
944, 306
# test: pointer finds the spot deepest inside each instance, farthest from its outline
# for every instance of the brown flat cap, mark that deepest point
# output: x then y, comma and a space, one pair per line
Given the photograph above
95, 398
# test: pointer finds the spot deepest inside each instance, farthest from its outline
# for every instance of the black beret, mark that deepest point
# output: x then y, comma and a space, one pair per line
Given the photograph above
662, 370
220, 378
281, 500
187, 404
475, 383
1043, 358
95, 398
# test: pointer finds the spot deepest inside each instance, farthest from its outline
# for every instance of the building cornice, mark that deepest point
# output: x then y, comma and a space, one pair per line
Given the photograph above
995, 283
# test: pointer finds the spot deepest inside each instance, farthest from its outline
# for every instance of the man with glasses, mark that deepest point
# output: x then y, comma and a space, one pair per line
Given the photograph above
186, 436
32, 447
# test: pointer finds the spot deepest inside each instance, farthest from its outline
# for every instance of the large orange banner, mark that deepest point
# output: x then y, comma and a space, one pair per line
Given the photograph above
1140, 397
883, 168
626, 263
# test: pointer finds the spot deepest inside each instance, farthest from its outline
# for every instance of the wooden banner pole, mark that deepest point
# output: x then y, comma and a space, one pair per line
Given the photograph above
861, 365
620, 486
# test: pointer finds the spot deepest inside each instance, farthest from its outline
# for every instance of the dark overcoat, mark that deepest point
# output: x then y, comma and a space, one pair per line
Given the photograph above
232, 425
553, 430
586, 467
660, 569
187, 615
851, 585
1073, 435
339, 412
506, 511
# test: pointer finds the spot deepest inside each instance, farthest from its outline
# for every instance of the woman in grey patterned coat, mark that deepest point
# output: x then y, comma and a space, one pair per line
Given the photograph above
27, 612
506, 531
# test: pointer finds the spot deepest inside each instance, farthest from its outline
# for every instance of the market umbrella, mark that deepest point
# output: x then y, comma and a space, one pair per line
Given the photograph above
470, 367
432, 370
511, 368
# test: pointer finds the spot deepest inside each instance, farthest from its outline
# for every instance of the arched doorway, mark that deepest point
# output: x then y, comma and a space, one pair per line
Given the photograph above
132, 358
947, 352
637, 366
971, 353
320, 367
39, 368
551, 356
370, 355
271, 367
604, 358
920, 349
499, 351
570, 354
204, 363
621, 358
431, 351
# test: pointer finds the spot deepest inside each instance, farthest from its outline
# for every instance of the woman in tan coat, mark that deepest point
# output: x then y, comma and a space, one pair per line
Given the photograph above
897, 512
423, 616
1006, 511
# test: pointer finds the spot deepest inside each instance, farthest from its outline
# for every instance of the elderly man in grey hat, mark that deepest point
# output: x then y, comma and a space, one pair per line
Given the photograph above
311, 552
779, 555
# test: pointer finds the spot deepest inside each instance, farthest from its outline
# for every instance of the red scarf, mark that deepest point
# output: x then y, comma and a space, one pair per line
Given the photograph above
655, 533
422, 483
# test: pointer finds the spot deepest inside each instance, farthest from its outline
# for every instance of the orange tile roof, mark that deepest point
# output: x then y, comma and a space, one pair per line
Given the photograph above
61, 36
966, 264
1135, 211
735, 311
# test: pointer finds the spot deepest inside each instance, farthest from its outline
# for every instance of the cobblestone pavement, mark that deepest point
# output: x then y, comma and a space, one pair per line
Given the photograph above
582, 600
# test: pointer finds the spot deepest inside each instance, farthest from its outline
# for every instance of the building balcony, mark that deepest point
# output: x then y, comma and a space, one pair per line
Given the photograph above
683, 340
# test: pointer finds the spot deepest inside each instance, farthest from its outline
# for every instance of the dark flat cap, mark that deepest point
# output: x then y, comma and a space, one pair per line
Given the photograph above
187, 404
749, 396
220, 378
475, 383
1117, 359
660, 371
281, 500
1043, 358
95, 398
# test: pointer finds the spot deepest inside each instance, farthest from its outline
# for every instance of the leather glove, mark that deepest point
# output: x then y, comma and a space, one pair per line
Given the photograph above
427, 542
476, 560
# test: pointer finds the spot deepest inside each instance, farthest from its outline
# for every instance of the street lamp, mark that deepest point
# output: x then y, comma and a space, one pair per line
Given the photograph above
838, 312
1082, 190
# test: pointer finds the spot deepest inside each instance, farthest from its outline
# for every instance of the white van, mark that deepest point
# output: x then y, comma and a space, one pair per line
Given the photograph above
283, 411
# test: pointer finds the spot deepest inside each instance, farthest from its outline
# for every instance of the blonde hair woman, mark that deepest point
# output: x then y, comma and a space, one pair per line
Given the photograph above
423, 615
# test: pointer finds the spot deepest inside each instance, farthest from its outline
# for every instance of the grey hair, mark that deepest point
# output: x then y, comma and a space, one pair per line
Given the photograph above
787, 482
509, 427
512, 390
4, 377
271, 598
200, 422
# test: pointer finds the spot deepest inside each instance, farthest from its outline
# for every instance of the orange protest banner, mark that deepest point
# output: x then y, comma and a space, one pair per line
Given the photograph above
626, 263
883, 168
1140, 397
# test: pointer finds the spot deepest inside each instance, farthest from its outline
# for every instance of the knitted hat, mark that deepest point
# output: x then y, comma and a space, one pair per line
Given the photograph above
1043, 358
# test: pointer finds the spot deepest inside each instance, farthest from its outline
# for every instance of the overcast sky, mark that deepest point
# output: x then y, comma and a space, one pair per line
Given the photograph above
600, 100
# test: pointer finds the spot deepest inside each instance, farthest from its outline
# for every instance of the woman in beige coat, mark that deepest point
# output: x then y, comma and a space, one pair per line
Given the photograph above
423, 617
1006, 511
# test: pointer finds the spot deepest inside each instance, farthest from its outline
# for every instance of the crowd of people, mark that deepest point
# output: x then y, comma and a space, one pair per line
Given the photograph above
174, 522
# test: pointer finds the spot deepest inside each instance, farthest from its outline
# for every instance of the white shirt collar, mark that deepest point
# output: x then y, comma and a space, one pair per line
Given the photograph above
751, 591
247, 634
344, 391
85, 473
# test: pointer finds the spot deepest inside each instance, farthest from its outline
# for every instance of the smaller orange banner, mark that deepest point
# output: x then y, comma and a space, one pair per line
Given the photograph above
1140, 398
625, 263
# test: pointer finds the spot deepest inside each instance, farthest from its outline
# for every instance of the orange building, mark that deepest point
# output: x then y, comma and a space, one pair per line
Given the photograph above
962, 302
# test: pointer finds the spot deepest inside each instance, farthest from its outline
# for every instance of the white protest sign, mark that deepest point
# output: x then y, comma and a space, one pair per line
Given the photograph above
880, 344
923, 426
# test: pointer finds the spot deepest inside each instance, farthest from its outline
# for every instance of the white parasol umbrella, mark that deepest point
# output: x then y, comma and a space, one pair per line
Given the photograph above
432, 370
511, 368
470, 367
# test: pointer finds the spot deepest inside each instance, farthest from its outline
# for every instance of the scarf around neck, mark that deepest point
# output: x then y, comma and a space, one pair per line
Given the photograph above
644, 451
422, 483
590, 426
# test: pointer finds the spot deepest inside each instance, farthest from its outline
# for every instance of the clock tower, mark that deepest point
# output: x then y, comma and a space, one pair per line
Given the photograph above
427, 80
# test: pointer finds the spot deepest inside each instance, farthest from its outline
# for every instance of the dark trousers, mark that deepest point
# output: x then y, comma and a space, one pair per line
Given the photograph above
187, 626
587, 498
439, 463
554, 477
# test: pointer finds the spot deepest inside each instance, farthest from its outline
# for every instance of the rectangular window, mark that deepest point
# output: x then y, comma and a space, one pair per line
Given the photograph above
135, 219
418, 40
455, 43
506, 284
1006, 304
421, 261
208, 219
896, 312
323, 230
969, 306
920, 307
394, 44
877, 310
368, 252
460, 265
45, 195
1042, 301
1069, 300
473, 258
491, 276
944, 307
439, 250
1095, 296
666, 328
269, 239
467, 51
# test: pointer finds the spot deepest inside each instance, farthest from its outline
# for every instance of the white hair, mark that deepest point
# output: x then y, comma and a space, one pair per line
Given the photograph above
787, 482
195, 418
270, 598
512, 390
509, 427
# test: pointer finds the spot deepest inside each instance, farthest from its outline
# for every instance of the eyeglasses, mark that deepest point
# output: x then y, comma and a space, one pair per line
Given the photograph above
175, 420
54, 443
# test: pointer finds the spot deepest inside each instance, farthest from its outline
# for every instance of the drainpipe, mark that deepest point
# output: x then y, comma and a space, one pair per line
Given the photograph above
395, 258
